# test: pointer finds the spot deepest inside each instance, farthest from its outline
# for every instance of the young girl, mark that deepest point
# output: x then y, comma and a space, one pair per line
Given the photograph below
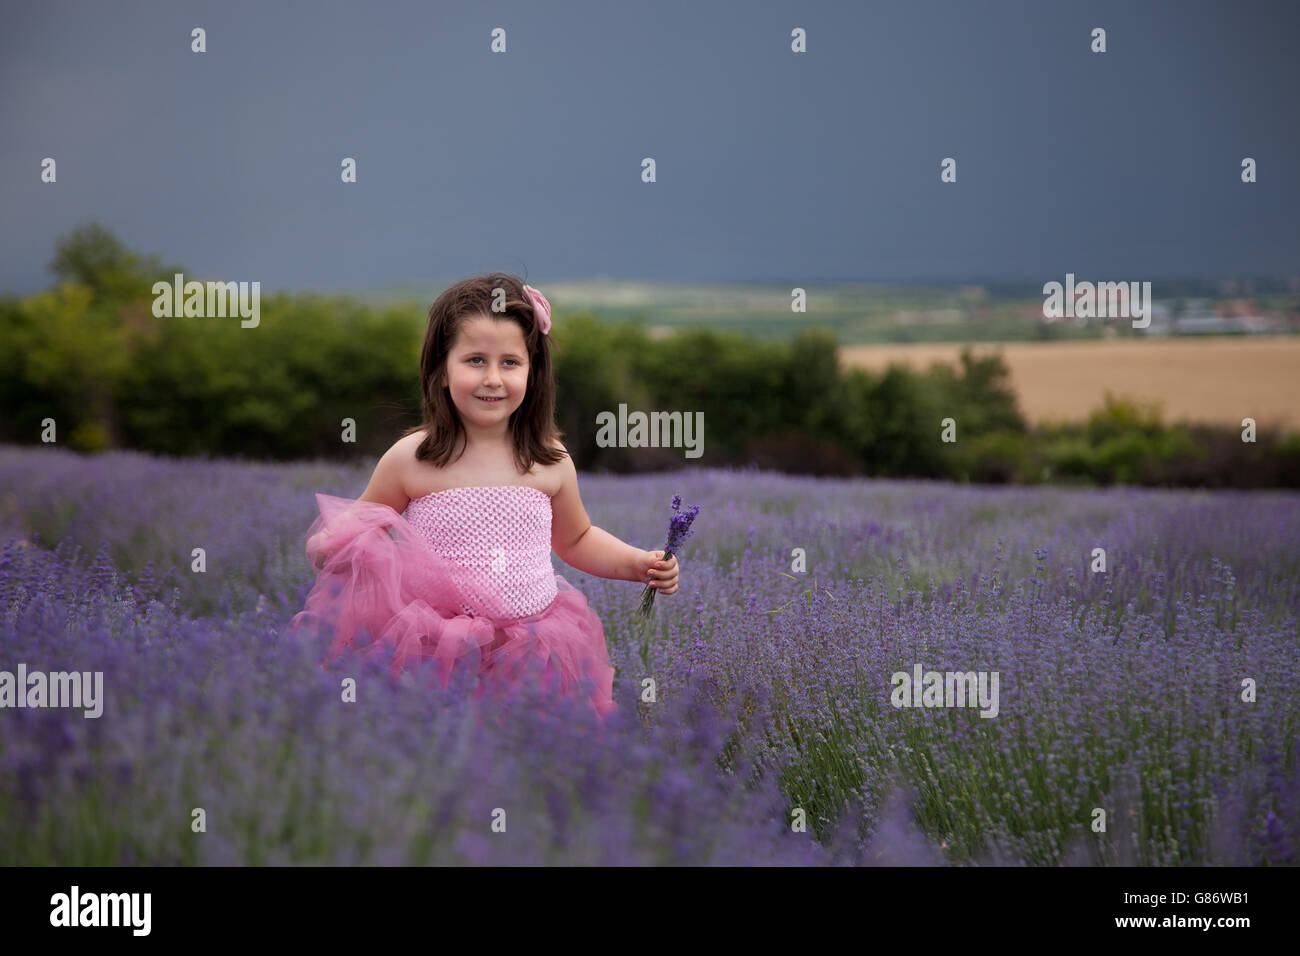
464, 576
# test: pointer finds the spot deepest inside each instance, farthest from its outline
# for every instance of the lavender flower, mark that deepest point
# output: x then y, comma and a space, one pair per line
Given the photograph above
763, 713
679, 529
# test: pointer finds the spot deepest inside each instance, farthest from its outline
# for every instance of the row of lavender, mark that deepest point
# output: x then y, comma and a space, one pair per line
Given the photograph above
1120, 691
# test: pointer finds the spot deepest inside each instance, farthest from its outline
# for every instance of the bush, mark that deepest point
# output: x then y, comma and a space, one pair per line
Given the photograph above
1001, 457
1122, 417
1069, 458
90, 355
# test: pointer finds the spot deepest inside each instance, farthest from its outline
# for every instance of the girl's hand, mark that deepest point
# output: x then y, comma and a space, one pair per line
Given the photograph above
320, 548
662, 575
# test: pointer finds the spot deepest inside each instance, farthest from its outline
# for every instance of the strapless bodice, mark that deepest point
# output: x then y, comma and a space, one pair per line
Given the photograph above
501, 536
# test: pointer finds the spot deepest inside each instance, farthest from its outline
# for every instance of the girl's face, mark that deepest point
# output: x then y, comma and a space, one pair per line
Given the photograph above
489, 359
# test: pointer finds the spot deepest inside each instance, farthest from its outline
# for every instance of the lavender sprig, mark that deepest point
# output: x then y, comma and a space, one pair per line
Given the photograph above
679, 529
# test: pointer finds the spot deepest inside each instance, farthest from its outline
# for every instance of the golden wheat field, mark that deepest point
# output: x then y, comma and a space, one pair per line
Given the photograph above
1217, 379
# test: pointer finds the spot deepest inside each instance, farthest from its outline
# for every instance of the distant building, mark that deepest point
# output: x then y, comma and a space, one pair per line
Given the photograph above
1201, 317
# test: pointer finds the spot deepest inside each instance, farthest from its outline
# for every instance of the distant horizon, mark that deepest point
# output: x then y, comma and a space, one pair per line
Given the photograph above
792, 282
1288, 282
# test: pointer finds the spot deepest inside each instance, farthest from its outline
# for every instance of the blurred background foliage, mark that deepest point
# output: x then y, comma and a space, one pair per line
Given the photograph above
89, 354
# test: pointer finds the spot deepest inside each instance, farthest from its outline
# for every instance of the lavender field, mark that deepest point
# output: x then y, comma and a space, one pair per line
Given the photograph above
1162, 691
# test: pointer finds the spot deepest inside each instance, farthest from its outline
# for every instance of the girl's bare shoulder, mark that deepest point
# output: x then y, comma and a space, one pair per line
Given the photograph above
404, 462
404, 447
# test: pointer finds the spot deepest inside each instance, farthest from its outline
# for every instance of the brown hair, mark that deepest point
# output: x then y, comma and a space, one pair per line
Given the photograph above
532, 424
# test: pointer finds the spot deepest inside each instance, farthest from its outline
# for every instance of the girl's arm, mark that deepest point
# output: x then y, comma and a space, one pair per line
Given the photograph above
600, 553
386, 487
582, 545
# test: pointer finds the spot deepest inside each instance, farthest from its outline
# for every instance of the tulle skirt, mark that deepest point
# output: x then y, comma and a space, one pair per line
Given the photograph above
381, 590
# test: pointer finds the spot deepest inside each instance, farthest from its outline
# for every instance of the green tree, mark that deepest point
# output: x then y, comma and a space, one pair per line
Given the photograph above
93, 256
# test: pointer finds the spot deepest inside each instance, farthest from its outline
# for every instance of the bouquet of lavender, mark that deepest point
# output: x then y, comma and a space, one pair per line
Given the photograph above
679, 529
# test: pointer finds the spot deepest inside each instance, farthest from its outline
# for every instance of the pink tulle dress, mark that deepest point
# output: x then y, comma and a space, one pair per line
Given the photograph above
464, 578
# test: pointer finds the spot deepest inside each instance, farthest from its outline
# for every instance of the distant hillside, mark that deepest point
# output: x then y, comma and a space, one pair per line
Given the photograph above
875, 313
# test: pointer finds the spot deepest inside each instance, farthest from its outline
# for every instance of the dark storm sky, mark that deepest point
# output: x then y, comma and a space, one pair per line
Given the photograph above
771, 165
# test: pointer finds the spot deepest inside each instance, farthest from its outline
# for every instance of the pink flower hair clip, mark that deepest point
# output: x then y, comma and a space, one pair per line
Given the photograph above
541, 308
